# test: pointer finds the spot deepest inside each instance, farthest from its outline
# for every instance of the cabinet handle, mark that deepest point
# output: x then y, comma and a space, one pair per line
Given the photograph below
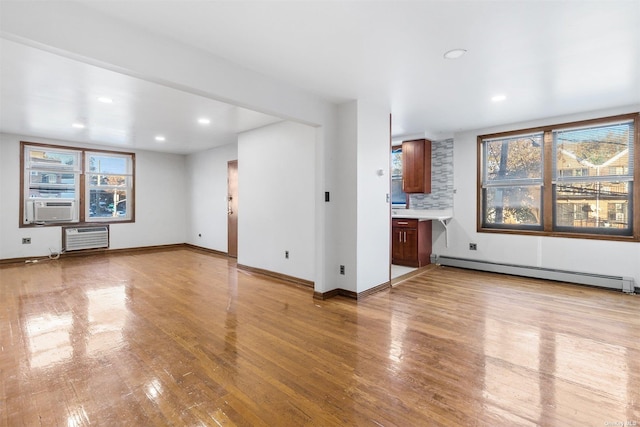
405, 237
403, 223
399, 237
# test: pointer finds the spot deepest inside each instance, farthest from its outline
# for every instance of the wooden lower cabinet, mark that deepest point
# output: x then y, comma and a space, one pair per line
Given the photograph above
410, 242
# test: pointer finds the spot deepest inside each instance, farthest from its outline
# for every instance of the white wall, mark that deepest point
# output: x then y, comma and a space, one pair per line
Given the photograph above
373, 209
276, 199
207, 193
161, 203
325, 213
359, 197
344, 198
581, 255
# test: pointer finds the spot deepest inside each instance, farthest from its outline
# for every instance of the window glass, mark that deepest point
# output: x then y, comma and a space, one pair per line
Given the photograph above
109, 186
517, 158
512, 181
51, 173
53, 159
107, 203
593, 205
513, 205
48, 184
593, 186
594, 152
398, 197
108, 164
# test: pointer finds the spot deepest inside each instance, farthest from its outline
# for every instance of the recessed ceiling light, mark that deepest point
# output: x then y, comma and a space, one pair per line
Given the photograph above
454, 53
78, 125
499, 98
160, 138
204, 121
105, 99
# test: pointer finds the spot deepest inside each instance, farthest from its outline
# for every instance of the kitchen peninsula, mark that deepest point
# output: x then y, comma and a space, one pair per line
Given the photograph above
411, 234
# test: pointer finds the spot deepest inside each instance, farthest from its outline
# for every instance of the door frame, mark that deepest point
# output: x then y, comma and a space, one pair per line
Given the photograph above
232, 208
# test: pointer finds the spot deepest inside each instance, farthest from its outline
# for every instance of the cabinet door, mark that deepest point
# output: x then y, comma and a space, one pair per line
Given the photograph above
416, 166
410, 244
397, 244
404, 246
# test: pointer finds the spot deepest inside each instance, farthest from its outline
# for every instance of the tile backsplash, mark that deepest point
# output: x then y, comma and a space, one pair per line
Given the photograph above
441, 196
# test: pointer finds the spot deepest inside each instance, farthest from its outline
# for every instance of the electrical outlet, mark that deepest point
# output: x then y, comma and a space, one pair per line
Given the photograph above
473, 246
342, 270
26, 240
286, 254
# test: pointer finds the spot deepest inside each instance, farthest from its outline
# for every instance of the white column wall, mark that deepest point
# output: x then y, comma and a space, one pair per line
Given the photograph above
344, 198
373, 218
363, 216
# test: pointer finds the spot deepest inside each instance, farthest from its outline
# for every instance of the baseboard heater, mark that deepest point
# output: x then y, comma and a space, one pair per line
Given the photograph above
77, 238
625, 284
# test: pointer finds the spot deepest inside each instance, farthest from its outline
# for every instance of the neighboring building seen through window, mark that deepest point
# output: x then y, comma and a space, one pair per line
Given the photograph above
584, 187
52, 190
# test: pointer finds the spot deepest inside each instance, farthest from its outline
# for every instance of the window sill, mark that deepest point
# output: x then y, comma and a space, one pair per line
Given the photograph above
76, 224
568, 235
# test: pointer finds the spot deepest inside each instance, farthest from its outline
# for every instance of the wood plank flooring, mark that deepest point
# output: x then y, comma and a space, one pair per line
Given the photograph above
183, 338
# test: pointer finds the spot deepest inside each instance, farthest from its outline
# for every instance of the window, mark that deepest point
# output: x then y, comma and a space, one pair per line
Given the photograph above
398, 197
573, 180
512, 185
52, 173
109, 179
66, 184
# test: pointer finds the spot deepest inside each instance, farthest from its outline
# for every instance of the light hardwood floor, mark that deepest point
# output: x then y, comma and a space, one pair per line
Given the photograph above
183, 338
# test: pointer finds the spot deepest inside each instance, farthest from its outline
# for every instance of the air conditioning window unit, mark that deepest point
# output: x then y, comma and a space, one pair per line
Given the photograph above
51, 210
77, 238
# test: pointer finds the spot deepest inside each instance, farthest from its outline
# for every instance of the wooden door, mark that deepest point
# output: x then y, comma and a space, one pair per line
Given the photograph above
232, 208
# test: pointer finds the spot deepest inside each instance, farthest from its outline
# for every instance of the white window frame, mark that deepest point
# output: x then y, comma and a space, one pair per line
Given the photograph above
127, 187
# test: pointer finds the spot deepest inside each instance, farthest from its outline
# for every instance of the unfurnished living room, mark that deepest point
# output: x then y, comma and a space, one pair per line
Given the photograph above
322, 213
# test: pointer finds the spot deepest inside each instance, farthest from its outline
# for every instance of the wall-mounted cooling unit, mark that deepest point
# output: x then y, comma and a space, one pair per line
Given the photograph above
91, 237
50, 210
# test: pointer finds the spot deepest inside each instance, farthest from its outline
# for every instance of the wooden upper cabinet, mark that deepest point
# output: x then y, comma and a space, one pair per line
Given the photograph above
416, 166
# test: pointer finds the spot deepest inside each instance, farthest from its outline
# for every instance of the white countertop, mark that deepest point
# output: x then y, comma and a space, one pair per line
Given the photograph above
423, 214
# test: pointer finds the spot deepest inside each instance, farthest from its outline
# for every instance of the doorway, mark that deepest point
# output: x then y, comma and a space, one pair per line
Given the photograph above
232, 208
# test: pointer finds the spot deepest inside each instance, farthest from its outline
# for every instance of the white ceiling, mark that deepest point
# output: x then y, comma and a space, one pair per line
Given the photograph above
549, 58
44, 95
